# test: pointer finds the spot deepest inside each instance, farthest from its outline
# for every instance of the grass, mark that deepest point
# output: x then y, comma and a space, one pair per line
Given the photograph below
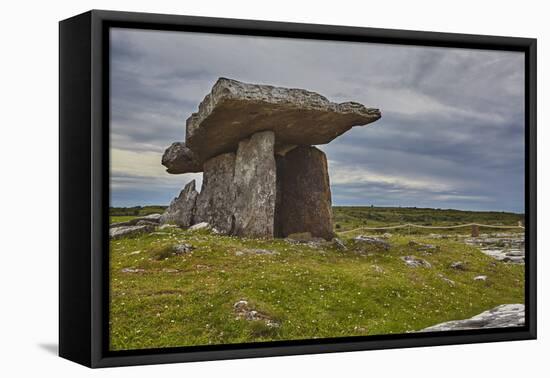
136, 210
120, 218
178, 300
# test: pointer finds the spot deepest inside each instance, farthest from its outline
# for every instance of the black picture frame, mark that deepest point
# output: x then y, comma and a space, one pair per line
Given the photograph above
84, 186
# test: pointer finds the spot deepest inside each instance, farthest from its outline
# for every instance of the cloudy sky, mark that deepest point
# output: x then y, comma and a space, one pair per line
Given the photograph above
450, 136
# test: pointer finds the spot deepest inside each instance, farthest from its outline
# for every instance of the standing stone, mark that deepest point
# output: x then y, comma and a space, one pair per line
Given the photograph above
255, 186
215, 202
279, 165
182, 209
305, 199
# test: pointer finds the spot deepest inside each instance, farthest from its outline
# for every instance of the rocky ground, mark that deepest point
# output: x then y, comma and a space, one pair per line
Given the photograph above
174, 287
506, 247
508, 315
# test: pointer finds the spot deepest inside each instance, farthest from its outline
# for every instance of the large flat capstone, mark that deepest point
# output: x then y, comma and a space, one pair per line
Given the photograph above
233, 111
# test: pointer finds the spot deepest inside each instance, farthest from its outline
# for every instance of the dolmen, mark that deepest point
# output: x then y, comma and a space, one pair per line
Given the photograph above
262, 175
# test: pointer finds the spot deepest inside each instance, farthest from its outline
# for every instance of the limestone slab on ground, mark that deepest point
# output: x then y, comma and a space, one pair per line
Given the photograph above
508, 248
123, 231
234, 110
150, 219
509, 315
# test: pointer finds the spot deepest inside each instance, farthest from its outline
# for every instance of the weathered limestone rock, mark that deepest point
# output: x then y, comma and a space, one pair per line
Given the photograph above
132, 270
182, 249
200, 226
370, 243
215, 202
304, 203
422, 247
279, 165
339, 244
154, 218
122, 231
182, 209
255, 251
508, 315
450, 282
151, 218
506, 247
147, 223
234, 110
180, 159
244, 311
254, 184
415, 262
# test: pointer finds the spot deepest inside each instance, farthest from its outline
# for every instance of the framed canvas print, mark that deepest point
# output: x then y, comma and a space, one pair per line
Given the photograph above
233, 188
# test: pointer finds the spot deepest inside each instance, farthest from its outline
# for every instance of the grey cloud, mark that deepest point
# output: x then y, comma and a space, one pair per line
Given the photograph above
450, 115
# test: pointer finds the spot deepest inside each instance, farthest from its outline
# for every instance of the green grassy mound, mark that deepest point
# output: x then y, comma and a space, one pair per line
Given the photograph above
162, 299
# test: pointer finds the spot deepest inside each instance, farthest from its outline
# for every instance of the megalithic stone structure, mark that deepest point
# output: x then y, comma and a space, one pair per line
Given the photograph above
262, 177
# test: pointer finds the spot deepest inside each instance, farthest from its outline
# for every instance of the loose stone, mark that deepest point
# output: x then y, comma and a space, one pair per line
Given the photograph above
123, 231
364, 242
415, 262
504, 316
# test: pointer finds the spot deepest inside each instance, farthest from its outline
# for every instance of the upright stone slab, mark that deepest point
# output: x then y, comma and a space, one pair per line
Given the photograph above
279, 164
215, 202
255, 186
304, 202
182, 209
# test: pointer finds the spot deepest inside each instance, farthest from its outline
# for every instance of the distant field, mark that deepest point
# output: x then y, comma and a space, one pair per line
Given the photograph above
121, 218
348, 218
163, 300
